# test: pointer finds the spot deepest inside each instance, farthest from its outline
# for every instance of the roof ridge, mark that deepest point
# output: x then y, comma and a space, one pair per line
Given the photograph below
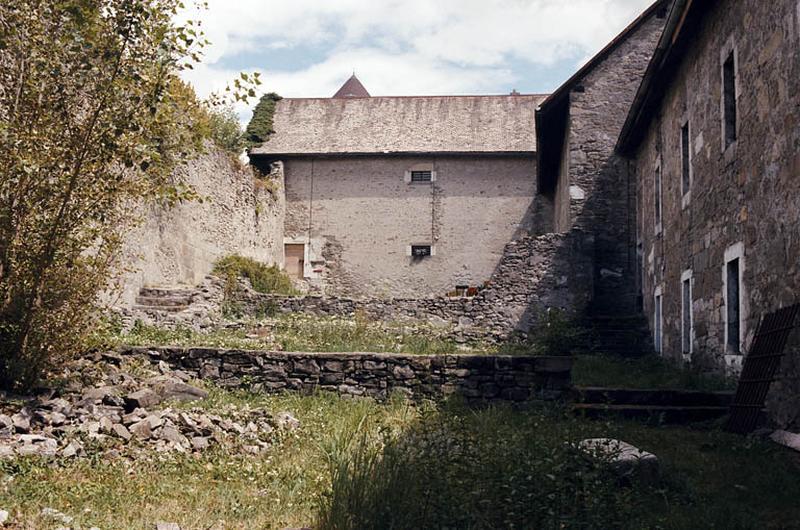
543, 95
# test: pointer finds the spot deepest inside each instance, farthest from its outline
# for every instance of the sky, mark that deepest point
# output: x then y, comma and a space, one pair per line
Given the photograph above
308, 48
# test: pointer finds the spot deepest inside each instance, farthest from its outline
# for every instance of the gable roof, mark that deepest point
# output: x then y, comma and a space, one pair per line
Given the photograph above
683, 21
352, 88
400, 125
553, 113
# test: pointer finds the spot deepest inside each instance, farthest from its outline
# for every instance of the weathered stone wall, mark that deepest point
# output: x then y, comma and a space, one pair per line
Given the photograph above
536, 273
376, 375
598, 193
744, 198
179, 245
358, 217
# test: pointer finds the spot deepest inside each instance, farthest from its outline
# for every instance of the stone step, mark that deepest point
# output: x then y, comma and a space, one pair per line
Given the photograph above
653, 397
659, 413
160, 309
168, 292
163, 301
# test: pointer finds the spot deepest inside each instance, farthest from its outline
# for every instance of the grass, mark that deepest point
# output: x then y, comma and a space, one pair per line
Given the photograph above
359, 464
298, 332
643, 372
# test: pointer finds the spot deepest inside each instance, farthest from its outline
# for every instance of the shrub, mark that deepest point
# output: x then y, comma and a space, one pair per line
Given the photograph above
225, 129
556, 333
263, 278
261, 126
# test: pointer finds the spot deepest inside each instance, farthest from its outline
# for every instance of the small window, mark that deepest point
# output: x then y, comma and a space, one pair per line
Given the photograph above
657, 327
421, 176
420, 251
686, 313
732, 306
729, 99
657, 202
686, 160
462, 290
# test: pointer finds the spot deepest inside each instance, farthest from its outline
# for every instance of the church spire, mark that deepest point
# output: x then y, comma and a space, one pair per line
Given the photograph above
352, 88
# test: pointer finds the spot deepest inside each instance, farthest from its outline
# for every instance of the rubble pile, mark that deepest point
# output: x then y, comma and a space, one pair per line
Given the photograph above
129, 408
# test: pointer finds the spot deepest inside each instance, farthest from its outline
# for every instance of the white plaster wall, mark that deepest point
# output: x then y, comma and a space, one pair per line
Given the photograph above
179, 245
366, 213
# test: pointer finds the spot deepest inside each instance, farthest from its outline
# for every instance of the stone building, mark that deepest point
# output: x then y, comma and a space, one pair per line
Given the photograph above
402, 196
579, 173
713, 142
419, 197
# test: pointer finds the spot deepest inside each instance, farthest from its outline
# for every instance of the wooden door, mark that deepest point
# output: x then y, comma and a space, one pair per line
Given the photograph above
294, 259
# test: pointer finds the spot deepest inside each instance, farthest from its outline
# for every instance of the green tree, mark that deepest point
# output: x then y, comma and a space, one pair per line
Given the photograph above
225, 129
93, 119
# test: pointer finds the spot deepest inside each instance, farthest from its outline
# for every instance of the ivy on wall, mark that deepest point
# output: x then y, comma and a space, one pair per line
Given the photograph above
260, 126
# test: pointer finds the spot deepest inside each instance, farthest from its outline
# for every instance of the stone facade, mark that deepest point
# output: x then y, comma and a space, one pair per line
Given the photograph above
589, 192
742, 200
178, 245
359, 216
473, 377
535, 273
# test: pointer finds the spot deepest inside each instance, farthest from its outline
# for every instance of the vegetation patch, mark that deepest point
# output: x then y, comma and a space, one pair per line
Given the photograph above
263, 278
261, 124
643, 372
297, 332
360, 464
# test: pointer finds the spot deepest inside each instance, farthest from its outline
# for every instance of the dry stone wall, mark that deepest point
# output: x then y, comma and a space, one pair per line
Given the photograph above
476, 378
179, 245
535, 274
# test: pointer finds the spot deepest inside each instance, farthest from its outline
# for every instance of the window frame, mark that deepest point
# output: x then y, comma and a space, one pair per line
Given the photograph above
729, 52
734, 253
687, 173
687, 335
408, 176
410, 250
658, 320
658, 200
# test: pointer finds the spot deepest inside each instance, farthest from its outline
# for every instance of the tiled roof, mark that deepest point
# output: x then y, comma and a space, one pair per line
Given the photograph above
352, 88
418, 124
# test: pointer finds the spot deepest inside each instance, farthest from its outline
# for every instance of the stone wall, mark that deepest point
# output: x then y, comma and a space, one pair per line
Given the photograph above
358, 217
475, 378
743, 198
592, 192
536, 273
179, 245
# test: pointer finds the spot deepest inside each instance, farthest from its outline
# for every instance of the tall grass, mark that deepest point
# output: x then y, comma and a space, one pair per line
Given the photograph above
460, 469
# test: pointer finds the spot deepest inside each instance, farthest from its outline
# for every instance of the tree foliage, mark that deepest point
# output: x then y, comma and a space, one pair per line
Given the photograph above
225, 129
92, 119
261, 125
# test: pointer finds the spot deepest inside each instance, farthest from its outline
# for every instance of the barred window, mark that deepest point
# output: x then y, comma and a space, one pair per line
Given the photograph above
420, 251
421, 176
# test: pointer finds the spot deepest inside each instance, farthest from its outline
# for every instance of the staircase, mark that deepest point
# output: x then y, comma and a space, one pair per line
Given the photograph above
662, 406
624, 336
163, 299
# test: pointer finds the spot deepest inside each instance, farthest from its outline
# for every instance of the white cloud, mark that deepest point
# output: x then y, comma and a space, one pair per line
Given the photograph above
402, 47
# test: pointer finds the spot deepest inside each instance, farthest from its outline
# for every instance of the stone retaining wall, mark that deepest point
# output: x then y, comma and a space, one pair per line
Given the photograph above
476, 378
535, 274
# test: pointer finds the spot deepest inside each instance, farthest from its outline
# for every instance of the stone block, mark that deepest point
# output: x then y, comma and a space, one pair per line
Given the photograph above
626, 460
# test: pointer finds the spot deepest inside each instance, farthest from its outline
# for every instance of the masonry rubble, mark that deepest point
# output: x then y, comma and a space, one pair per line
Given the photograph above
125, 414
